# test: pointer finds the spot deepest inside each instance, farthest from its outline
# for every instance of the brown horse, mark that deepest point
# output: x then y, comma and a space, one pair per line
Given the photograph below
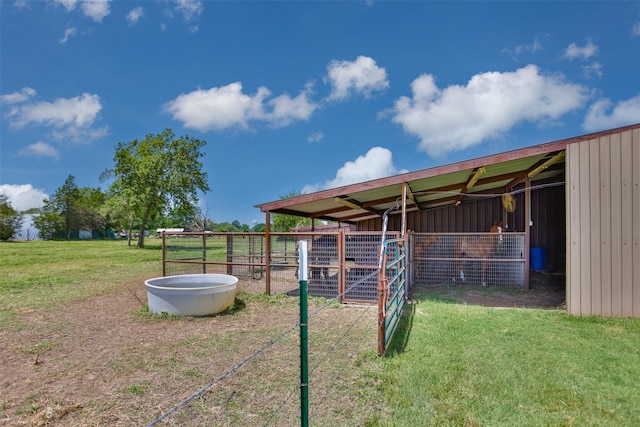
421, 245
481, 246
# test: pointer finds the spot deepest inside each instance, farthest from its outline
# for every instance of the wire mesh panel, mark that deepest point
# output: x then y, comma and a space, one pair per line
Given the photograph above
283, 262
186, 252
361, 258
489, 259
241, 255
340, 264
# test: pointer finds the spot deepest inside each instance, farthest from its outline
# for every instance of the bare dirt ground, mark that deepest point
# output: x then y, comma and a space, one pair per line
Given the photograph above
546, 290
102, 361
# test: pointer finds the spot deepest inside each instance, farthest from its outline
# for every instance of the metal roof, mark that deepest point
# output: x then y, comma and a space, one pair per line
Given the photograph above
435, 187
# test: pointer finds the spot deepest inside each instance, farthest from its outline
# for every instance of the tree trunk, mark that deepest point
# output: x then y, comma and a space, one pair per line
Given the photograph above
145, 217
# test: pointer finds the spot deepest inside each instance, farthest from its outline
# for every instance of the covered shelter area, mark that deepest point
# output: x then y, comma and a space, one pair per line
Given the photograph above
569, 207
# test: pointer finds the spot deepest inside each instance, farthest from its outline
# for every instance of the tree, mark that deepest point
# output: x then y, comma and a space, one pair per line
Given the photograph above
259, 228
158, 172
10, 219
285, 223
50, 224
60, 213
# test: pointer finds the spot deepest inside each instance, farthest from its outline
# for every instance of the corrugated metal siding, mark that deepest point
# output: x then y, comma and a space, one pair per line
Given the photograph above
603, 226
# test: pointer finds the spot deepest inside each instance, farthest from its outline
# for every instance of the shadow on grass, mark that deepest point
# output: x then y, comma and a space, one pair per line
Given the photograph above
237, 306
400, 337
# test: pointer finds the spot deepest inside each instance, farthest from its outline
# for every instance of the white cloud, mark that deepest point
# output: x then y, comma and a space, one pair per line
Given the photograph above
227, 106
70, 118
24, 196
23, 4
285, 110
39, 149
68, 4
68, 33
574, 51
377, 163
603, 114
315, 137
635, 30
134, 15
458, 117
17, 97
189, 8
533, 47
94, 9
361, 76
593, 70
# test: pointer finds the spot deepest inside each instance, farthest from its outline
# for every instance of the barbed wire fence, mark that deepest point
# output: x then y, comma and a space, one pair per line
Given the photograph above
272, 399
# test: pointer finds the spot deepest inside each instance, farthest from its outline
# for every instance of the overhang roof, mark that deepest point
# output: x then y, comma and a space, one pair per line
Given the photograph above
435, 187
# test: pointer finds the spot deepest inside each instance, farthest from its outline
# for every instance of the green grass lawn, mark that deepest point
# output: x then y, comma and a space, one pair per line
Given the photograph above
460, 365
39, 274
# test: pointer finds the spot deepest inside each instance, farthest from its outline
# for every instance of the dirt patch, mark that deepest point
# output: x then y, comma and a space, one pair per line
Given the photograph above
103, 361
546, 290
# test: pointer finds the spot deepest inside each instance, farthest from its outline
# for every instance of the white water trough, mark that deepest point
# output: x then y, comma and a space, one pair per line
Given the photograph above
191, 294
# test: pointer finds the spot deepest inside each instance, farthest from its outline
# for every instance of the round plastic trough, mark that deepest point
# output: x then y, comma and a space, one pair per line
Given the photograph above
191, 294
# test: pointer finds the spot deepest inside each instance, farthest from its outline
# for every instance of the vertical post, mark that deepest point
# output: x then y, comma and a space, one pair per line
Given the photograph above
164, 257
267, 249
527, 230
342, 265
204, 253
381, 301
304, 344
229, 253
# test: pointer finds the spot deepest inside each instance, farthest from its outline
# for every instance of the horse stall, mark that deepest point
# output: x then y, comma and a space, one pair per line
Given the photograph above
568, 208
486, 259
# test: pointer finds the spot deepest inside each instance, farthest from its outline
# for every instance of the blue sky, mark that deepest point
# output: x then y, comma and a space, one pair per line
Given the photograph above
303, 96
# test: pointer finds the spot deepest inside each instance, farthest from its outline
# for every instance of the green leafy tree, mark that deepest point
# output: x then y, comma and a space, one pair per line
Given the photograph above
155, 173
117, 215
259, 228
286, 223
60, 213
50, 224
10, 219
90, 212
67, 202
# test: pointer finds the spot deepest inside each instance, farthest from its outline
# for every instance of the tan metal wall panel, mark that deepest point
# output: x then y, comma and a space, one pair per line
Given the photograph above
605, 223
635, 223
595, 222
626, 214
585, 229
603, 237
615, 282
573, 229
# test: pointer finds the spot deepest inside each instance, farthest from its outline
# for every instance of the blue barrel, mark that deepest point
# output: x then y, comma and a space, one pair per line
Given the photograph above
538, 259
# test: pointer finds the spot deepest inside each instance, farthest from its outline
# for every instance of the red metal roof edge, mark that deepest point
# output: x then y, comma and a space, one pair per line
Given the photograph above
519, 153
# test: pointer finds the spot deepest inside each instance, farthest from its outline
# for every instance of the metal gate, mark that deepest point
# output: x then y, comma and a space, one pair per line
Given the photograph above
392, 289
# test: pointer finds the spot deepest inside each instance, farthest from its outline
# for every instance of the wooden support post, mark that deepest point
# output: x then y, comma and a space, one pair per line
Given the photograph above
527, 231
267, 258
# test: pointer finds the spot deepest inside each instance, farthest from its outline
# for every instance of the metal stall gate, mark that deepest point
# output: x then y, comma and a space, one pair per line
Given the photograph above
489, 259
392, 289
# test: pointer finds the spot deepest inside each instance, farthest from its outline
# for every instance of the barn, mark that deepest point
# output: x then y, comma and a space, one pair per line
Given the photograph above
570, 206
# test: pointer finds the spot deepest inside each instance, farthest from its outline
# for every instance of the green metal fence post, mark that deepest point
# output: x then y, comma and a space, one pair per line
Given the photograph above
304, 344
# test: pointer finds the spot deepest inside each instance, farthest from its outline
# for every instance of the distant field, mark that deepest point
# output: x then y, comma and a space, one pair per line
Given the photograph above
39, 274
